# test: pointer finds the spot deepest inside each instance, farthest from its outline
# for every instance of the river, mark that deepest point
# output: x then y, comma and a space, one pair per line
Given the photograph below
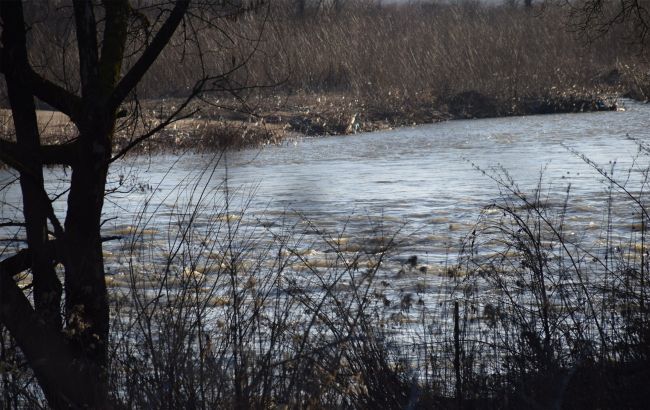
419, 179
422, 187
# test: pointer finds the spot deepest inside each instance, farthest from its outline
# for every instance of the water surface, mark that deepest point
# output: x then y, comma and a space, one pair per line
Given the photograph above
424, 184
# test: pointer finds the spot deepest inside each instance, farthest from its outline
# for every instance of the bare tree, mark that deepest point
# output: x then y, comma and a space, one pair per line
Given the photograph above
597, 17
63, 328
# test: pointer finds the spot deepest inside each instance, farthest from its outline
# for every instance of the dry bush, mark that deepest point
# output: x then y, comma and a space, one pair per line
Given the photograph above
214, 317
394, 57
562, 322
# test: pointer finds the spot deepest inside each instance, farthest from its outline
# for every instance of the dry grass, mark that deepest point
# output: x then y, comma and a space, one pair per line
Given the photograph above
395, 54
366, 66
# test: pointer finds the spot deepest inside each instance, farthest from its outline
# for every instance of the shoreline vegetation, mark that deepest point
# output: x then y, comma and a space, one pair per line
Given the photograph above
275, 121
366, 66
205, 314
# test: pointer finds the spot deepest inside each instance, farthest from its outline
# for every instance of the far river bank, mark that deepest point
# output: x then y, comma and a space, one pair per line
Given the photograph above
274, 119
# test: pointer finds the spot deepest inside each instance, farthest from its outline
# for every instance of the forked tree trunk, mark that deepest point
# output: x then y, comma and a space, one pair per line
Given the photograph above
68, 361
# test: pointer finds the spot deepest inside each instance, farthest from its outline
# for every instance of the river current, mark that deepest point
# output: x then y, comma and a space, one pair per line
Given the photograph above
426, 181
420, 189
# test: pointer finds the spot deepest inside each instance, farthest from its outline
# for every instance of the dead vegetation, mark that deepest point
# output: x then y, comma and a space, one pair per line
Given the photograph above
366, 66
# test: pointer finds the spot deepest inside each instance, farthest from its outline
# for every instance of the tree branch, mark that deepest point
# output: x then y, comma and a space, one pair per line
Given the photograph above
45, 348
61, 154
53, 94
9, 154
169, 120
20, 261
115, 33
160, 40
15, 264
12, 224
87, 46
47, 91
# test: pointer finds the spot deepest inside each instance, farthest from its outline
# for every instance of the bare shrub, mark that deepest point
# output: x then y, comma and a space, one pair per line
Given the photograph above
213, 316
565, 320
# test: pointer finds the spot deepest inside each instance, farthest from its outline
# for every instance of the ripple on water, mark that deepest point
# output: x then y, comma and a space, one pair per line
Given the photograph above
412, 176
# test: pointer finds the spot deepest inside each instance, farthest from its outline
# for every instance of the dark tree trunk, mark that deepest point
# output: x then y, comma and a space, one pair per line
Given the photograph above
47, 288
86, 302
70, 362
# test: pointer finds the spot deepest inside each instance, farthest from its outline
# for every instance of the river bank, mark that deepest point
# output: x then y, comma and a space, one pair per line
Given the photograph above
276, 119
280, 118
322, 72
